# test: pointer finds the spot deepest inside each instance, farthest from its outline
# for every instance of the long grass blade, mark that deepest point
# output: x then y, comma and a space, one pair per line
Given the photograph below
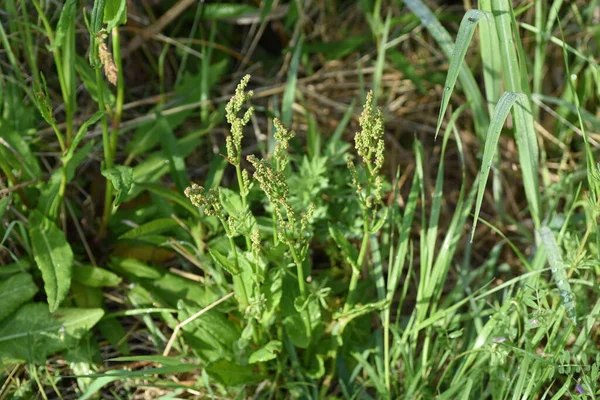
444, 40
463, 39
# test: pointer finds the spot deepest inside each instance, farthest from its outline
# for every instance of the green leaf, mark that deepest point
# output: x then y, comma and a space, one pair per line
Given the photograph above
53, 256
114, 332
232, 374
224, 262
334, 50
266, 353
173, 195
49, 201
67, 17
501, 111
173, 156
115, 13
133, 267
348, 251
151, 228
16, 290
80, 135
226, 10
212, 335
97, 17
26, 161
4, 202
295, 310
95, 277
121, 178
290, 87
230, 200
88, 77
32, 333
465, 34
77, 159
465, 76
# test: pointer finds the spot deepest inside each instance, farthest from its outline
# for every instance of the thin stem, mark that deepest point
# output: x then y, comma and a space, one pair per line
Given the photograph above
108, 156
359, 262
243, 194
302, 287
120, 89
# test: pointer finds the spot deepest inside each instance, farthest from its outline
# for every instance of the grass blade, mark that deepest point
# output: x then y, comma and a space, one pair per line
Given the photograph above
444, 40
463, 39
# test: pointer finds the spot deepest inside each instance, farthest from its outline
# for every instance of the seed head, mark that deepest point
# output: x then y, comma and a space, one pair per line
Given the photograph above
234, 141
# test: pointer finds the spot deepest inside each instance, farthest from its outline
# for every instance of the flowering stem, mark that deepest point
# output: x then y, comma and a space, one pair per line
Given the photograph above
356, 271
243, 194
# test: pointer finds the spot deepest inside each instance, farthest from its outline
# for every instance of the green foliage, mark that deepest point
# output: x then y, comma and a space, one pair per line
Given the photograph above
296, 267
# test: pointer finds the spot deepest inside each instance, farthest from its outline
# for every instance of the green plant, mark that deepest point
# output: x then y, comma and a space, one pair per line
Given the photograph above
299, 265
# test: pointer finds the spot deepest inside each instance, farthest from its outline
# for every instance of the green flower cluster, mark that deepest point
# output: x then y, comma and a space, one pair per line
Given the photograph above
370, 146
234, 141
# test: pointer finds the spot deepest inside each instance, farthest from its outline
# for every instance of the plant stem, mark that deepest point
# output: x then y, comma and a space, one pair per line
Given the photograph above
359, 262
243, 194
302, 287
108, 156
116, 121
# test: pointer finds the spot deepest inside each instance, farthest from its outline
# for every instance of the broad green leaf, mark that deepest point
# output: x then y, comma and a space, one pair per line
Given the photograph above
33, 333
121, 178
86, 296
95, 277
16, 290
266, 353
212, 335
21, 265
151, 228
53, 256
67, 17
463, 39
115, 13
232, 374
